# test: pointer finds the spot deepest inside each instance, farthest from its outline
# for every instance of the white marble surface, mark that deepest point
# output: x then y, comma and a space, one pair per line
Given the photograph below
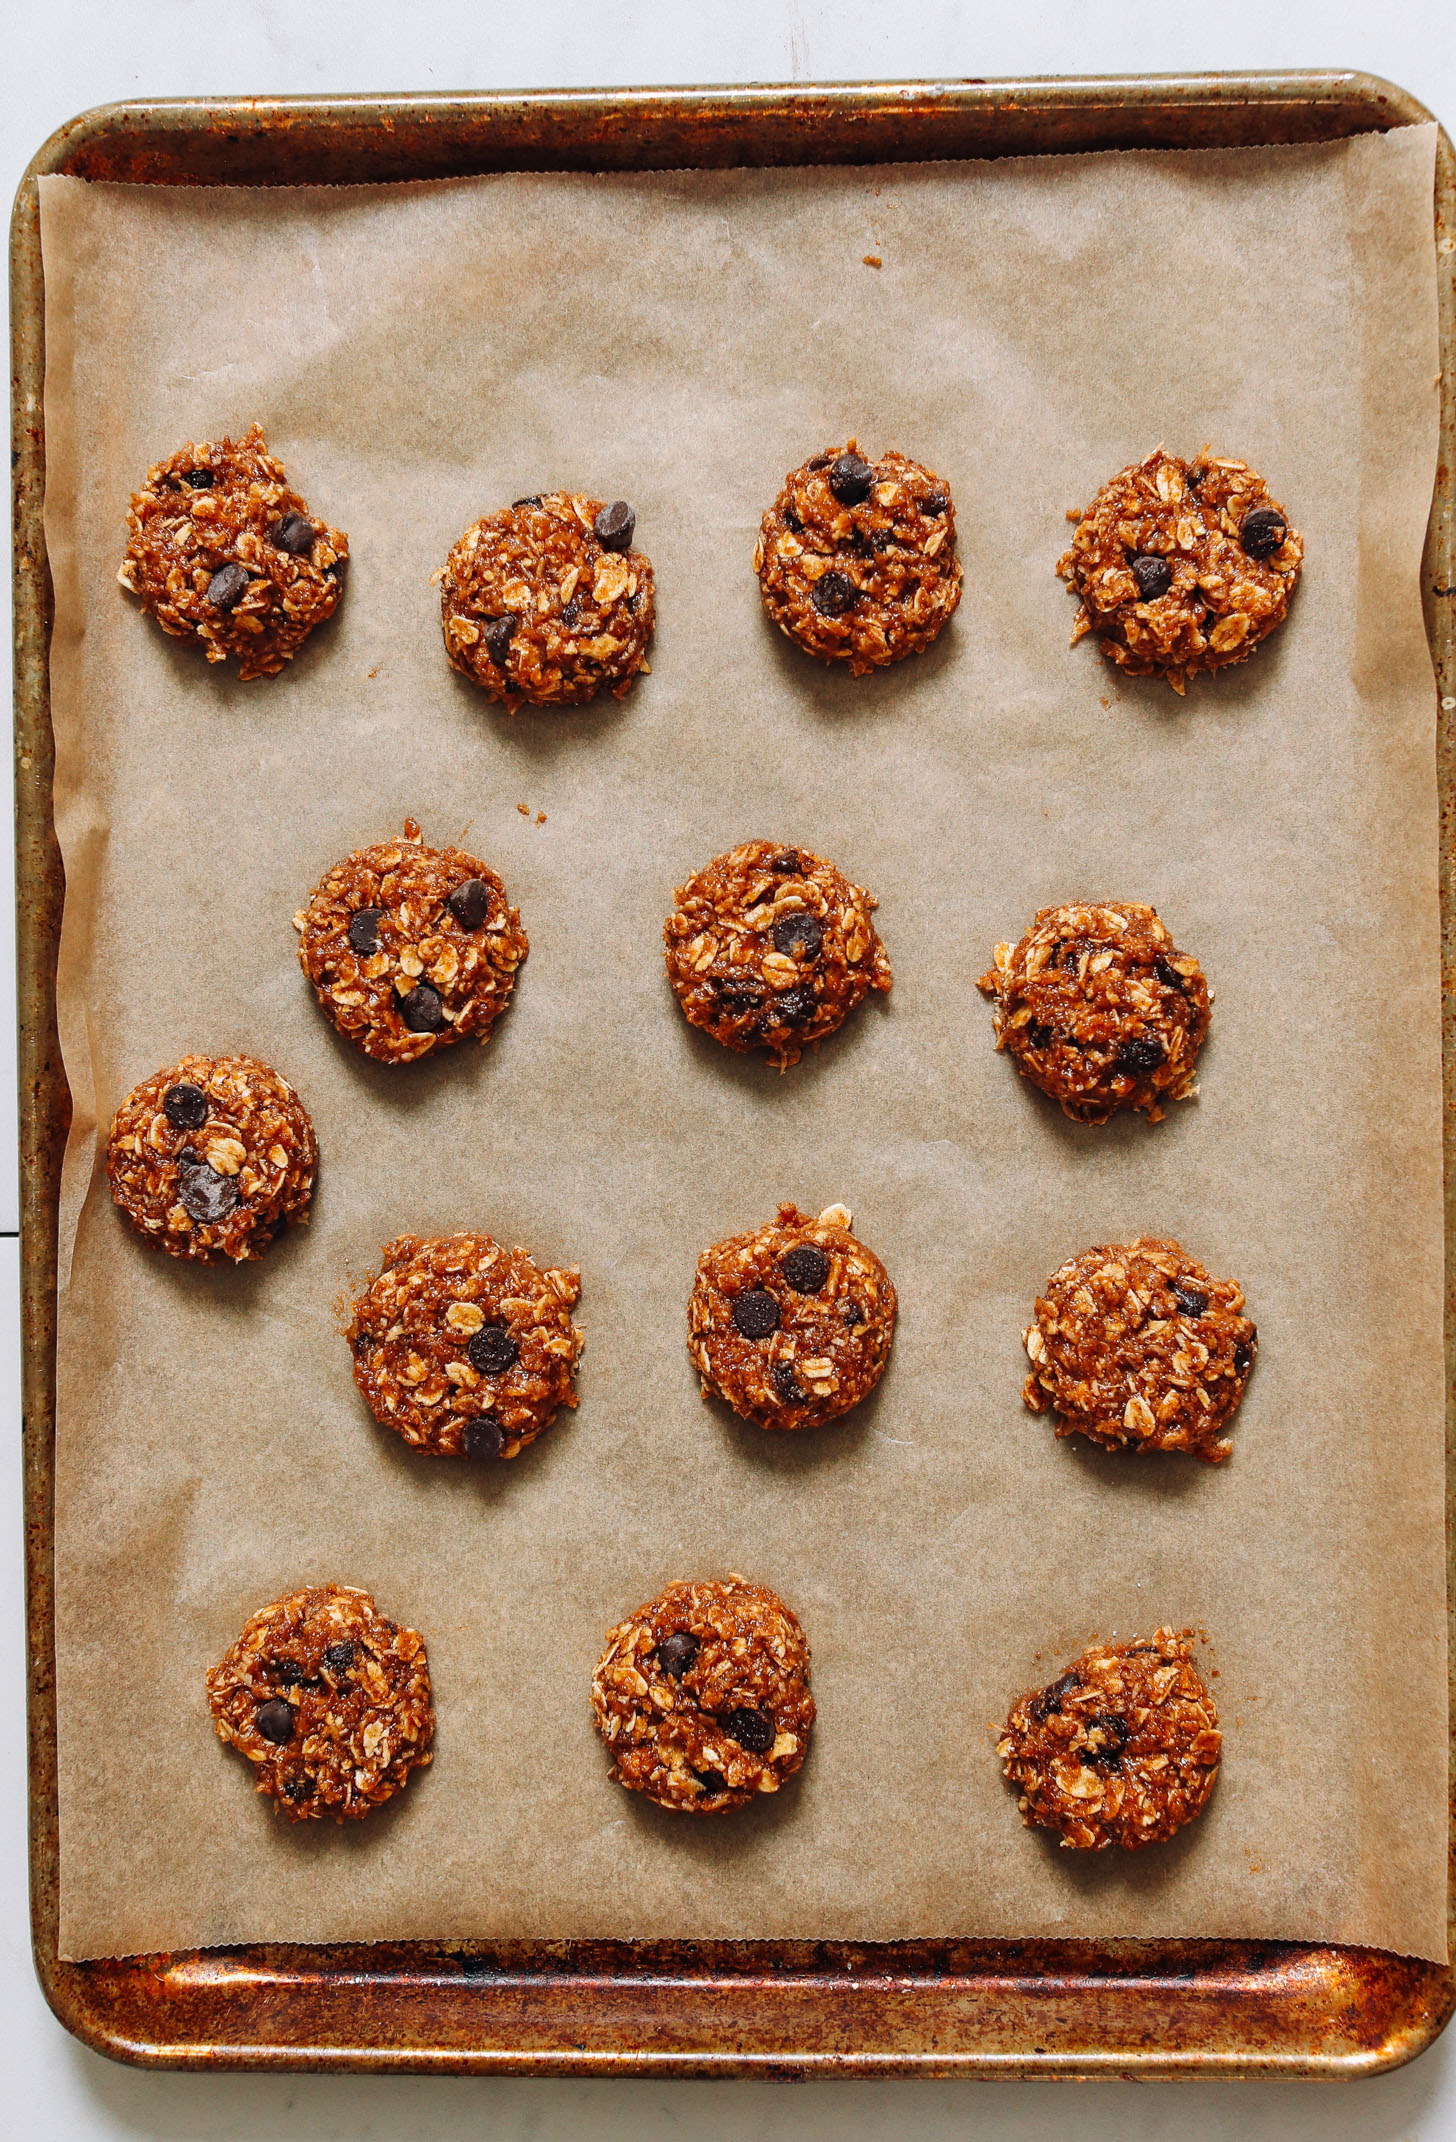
65, 55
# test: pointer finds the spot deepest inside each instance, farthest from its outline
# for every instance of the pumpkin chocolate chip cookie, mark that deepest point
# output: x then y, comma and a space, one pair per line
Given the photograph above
792, 1324
1099, 1008
1182, 566
1121, 1749
411, 948
702, 1696
546, 601
1137, 1348
856, 560
212, 1158
465, 1349
772, 948
329, 1702
221, 549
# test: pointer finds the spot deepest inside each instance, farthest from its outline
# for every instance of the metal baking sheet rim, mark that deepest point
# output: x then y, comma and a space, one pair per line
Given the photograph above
1144, 2010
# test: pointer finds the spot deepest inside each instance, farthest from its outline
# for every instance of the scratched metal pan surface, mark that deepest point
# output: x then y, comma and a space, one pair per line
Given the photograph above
1149, 2010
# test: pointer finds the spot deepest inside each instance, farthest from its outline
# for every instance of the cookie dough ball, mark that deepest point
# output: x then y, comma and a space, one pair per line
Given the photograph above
411, 948
1100, 1009
856, 559
1136, 1348
703, 1696
1182, 566
328, 1701
464, 1348
547, 601
792, 1325
772, 948
220, 548
1123, 1748
212, 1158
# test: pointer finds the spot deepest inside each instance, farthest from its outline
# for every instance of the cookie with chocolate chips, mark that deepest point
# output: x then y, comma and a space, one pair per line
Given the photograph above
770, 947
221, 549
546, 601
1182, 566
856, 560
464, 1348
1098, 1007
213, 1158
792, 1324
702, 1696
411, 948
1135, 1347
1122, 1748
329, 1701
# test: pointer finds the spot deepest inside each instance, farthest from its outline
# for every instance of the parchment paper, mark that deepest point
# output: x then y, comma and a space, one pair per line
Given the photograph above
417, 354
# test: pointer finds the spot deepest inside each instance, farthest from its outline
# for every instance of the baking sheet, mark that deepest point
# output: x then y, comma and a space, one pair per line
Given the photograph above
416, 353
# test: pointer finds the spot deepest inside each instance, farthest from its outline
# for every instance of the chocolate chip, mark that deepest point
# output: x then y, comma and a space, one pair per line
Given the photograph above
1154, 576
786, 1383
1188, 1298
293, 534
204, 1193
199, 479
484, 1437
1048, 1700
791, 520
936, 504
711, 1780
738, 998
1168, 975
787, 863
1113, 1734
1243, 1358
796, 1007
298, 1787
805, 1267
1139, 1054
423, 1009
756, 1313
276, 1720
337, 570
615, 526
851, 1313
496, 633
820, 461
340, 1657
492, 1350
753, 1730
850, 479
470, 903
533, 499
185, 1106
676, 1653
1197, 476
798, 936
364, 930
833, 596
1262, 532
286, 1672
227, 587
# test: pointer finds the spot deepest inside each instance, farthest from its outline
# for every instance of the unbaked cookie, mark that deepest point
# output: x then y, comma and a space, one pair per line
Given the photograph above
856, 560
1182, 566
410, 948
1123, 1748
771, 948
703, 1696
792, 1324
547, 601
464, 1348
328, 1701
212, 1158
1136, 1348
1099, 1008
220, 548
